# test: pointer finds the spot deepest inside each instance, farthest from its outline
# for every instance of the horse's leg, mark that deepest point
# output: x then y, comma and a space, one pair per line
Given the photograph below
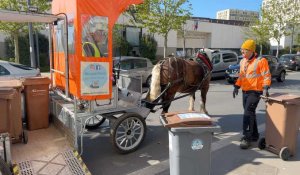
204, 91
167, 98
192, 101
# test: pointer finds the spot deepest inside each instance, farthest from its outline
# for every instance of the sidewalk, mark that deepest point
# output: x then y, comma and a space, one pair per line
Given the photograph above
228, 159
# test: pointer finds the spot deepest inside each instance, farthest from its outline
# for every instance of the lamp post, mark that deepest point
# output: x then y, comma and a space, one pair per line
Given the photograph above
31, 42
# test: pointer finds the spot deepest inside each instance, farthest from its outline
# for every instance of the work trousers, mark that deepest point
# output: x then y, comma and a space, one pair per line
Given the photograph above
250, 102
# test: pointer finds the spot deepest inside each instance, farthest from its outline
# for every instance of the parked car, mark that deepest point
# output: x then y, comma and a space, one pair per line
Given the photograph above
135, 65
277, 69
291, 61
14, 70
221, 60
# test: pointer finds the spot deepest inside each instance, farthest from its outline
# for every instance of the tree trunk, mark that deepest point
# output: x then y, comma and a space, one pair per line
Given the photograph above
184, 55
261, 48
16, 43
277, 52
165, 45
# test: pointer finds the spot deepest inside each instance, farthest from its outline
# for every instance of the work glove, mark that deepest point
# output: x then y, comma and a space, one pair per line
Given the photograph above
235, 91
266, 91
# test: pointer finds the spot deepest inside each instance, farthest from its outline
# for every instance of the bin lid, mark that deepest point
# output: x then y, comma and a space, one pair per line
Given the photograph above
7, 93
14, 83
285, 98
36, 80
186, 119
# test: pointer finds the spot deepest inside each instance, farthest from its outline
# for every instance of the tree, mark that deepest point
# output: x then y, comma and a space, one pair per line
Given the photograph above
259, 31
14, 29
148, 47
162, 16
280, 16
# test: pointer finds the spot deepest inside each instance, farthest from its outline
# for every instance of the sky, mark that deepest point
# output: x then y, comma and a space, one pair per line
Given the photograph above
209, 8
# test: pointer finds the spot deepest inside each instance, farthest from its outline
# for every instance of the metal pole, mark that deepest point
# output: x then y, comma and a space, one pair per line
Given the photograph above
292, 39
31, 42
37, 49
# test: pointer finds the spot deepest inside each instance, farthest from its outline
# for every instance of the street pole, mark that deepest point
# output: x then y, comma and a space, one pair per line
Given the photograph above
292, 39
31, 42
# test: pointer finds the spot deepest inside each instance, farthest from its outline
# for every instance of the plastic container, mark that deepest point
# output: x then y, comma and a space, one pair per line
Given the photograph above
282, 124
15, 112
37, 102
190, 137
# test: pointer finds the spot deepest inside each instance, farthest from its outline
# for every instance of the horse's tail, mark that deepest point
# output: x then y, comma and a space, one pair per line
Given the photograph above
155, 82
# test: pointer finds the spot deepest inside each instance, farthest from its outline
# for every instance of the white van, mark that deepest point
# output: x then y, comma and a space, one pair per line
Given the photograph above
221, 60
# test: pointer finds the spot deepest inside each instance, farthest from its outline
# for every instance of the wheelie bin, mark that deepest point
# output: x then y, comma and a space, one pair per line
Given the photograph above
11, 96
282, 124
190, 137
37, 102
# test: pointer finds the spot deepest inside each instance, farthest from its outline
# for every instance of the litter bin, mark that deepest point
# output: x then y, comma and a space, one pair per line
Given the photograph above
282, 124
14, 115
37, 102
190, 137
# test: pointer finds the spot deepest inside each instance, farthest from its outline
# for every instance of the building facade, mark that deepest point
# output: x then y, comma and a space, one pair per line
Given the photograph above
239, 15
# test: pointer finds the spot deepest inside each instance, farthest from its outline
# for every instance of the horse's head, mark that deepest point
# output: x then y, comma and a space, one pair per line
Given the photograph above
205, 55
154, 89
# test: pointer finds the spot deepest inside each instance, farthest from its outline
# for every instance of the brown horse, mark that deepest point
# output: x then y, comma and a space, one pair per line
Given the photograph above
173, 75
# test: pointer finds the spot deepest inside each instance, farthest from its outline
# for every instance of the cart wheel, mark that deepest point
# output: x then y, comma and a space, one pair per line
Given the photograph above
262, 143
24, 137
94, 122
284, 153
128, 132
4, 168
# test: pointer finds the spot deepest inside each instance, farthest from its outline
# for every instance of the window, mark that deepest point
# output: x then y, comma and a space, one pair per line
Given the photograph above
229, 57
3, 71
126, 65
133, 35
21, 66
139, 64
216, 59
94, 36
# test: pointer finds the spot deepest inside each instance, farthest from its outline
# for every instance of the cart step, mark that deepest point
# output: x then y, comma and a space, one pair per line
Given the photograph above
65, 163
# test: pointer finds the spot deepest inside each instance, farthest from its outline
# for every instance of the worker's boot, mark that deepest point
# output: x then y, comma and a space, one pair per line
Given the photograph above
245, 144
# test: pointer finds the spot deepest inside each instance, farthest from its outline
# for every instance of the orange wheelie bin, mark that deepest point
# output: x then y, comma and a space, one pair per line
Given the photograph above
36, 91
282, 124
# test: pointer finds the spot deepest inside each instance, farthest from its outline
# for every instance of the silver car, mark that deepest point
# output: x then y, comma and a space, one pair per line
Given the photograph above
135, 65
221, 60
13, 70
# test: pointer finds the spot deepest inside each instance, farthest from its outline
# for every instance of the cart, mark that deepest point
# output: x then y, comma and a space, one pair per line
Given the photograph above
124, 111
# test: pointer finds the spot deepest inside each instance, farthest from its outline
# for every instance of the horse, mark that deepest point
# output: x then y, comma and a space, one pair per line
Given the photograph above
172, 75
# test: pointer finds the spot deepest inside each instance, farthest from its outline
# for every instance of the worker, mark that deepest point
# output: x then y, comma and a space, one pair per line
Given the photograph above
254, 80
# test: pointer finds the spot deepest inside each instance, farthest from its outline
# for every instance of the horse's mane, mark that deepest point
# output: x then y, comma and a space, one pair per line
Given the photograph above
155, 82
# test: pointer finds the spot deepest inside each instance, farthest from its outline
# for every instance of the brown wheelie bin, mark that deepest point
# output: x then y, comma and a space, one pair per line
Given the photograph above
15, 114
37, 102
282, 124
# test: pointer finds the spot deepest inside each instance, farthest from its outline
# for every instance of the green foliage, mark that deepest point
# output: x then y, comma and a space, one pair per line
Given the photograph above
281, 16
24, 49
162, 16
14, 29
148, 47
120, 45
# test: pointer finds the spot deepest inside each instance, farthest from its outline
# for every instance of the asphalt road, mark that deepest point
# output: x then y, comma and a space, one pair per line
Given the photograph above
101, 158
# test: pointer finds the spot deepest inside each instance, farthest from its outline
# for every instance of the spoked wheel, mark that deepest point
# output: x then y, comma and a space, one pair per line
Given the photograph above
94, 122
262, 143
4, 168
128, 132
284, 153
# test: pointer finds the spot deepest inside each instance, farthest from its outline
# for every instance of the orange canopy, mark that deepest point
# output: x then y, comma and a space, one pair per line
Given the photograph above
89, 76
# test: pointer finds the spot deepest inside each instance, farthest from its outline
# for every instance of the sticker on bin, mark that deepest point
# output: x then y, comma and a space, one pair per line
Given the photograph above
197, 144
186, 119
193, 115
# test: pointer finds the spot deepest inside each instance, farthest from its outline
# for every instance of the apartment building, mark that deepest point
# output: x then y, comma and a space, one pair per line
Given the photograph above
239, 15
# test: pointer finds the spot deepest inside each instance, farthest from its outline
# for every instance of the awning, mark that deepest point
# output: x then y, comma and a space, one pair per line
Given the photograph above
15, 16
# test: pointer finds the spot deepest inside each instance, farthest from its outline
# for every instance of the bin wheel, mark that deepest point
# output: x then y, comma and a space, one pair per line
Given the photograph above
128, 132
25, 137
284, 153
94, 122
262, 143
4, 168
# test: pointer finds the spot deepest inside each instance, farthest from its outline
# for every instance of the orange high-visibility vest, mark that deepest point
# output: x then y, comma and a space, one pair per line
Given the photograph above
254, 74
